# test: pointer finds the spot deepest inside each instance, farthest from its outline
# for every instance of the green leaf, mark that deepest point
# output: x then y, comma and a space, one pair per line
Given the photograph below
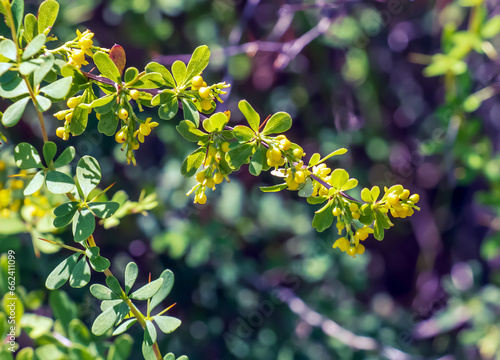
66, 208
274, 188
63, 309
108, 123
130, 74
58, 89
366, 195
47, 14
106, 66
30, 27
378, 231
339, 178
169, 356
83, 225
491, 28
198, 62
157, 68
4, 67
80, 276
114, 285
26, 156
49, 151
167, 324
367, 216
17, 8
179, 71
149, 333
88, 173
323, 218
278, 123
14, 112
35, 184
8, 49
124, 327
169, 105
13, 88
27, 67
307, 189
42, 103
59, 183
314, 200
243, 133
250, 114
102, 292
104, 210
40, 73
340, 151
192, 162
62, 272
166, 287
383, 220
189, 131
218, 121
239, 155
147, 291
79, 120
99, 263
105, 321
190, 112
66, 157
351, 184
34, 46
131, 272
148, 81
148, 352
257, 161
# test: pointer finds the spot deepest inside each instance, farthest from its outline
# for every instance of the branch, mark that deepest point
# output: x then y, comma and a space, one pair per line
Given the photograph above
330, 327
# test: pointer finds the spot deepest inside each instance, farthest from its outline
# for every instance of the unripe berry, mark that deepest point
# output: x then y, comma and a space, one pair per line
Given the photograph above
351, 251
360, 249
68, 117
120, 136
60, 132
200, 177
353, 207
298, 153
212, 151
299, 177
204, 92
206, 104
404, 195
274, 154
123, 114
201, 198
415, 198
225, 146
197, 81
218, 177
134, 94
285, 144
336, 211
209, 182
72, 102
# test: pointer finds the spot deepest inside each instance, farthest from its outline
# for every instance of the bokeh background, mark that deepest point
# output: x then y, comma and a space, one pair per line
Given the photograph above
253, 278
